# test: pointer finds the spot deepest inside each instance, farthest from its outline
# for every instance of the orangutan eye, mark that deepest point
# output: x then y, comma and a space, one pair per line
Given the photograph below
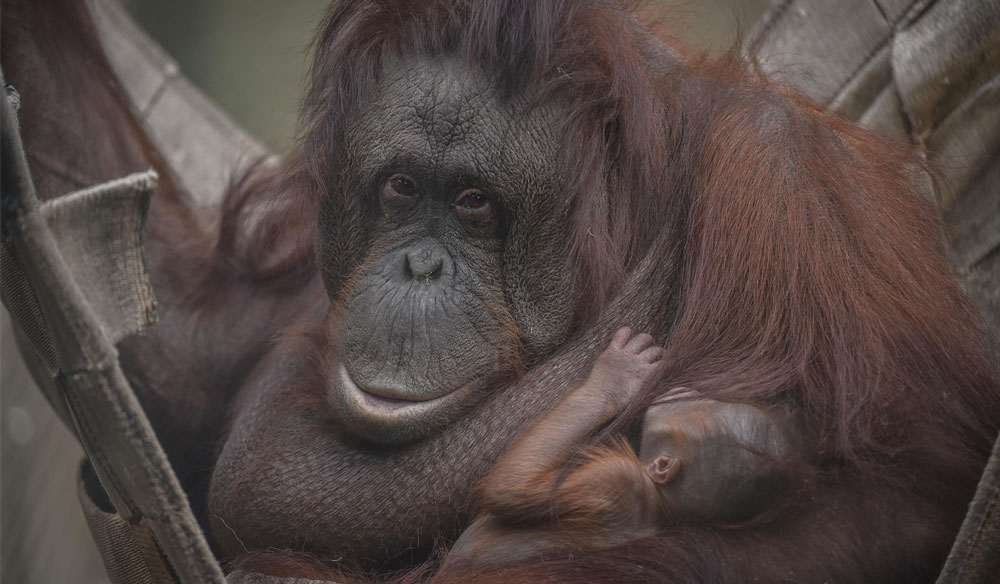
399, 192
473, 205
401, 185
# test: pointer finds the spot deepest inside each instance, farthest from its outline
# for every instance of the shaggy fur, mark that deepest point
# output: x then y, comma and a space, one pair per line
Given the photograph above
777, 251
811, 276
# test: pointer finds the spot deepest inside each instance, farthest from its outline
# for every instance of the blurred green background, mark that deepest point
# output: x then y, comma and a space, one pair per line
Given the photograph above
250, 56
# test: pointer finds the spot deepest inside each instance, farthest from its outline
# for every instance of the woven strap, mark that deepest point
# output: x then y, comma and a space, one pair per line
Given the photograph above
78, 284
129, 550
975, 557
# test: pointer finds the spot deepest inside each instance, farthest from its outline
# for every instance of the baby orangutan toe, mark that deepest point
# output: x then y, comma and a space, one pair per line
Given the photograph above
621, 338
642, 348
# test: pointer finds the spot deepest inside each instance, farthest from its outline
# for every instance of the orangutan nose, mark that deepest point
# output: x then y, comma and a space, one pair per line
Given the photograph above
427, 261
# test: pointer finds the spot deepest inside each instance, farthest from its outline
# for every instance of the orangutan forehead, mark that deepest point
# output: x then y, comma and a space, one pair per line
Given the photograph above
446, 115
448, 98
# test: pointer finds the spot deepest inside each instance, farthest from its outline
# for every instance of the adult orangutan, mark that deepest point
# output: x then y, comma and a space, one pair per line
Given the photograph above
499, 186
486, 190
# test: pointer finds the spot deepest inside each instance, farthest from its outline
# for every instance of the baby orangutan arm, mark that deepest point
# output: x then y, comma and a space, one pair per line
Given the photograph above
606, 501
520, 485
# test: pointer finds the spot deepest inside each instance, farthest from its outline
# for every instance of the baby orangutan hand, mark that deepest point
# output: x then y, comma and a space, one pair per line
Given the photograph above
623, 368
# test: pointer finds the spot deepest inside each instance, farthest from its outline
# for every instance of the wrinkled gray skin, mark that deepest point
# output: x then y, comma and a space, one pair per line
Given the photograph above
429, 317
386, 464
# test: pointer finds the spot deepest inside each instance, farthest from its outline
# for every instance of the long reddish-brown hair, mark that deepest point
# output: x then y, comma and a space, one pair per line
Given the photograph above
806, 272
809, 266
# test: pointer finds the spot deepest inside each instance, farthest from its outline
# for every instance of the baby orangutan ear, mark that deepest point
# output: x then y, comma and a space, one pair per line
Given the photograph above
664, 469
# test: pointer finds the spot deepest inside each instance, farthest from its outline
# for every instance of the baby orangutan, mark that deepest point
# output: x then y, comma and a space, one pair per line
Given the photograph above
700, 460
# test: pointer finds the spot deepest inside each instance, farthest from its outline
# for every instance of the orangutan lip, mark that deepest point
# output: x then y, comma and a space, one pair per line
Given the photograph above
384, 403
375, 400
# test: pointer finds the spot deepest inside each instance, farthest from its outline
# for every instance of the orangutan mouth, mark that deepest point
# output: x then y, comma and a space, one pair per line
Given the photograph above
383, 399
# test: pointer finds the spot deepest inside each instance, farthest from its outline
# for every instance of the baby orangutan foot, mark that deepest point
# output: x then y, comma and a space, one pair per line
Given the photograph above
622, 369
